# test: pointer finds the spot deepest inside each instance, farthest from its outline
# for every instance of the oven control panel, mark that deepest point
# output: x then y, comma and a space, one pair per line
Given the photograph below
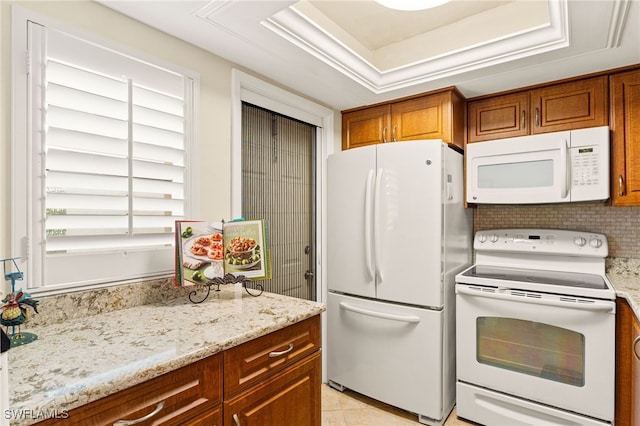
543, 241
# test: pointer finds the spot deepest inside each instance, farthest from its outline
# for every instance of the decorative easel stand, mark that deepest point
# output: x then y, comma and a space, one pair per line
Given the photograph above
228, 279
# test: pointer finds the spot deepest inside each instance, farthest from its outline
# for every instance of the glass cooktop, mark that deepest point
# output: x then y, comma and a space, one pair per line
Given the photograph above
570, 279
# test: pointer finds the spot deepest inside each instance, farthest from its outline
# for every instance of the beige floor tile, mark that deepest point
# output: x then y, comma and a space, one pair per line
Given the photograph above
349, 408
333, 418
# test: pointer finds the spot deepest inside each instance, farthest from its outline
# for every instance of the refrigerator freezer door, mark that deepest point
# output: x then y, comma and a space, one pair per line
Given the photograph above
386, 351
408, 227
350, 261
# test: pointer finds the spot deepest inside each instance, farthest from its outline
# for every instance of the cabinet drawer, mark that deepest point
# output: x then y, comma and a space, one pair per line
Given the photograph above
190, 395
253, 361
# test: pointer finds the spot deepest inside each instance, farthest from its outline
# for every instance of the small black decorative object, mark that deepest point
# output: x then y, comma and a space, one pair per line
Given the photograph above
228, 279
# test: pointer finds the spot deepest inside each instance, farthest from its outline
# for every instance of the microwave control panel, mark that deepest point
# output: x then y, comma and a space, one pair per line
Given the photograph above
585, 166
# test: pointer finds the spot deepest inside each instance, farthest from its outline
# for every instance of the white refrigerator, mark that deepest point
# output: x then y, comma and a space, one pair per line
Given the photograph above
398, 233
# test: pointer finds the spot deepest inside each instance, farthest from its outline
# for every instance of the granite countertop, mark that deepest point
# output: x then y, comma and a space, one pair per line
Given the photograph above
628, 287
81, 360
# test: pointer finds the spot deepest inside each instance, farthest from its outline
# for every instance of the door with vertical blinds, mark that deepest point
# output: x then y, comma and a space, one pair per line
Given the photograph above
278, 184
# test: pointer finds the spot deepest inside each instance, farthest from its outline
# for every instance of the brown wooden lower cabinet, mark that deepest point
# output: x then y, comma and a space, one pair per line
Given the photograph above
291, 397
274, 379
190, 395
627, 365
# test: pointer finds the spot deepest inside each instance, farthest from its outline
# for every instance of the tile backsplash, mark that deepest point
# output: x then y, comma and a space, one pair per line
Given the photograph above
621, 225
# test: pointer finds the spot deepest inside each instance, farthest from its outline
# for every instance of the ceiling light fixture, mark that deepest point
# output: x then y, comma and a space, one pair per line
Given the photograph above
411, 4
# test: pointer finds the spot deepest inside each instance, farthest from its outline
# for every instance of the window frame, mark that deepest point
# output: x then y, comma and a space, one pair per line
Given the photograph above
24, 209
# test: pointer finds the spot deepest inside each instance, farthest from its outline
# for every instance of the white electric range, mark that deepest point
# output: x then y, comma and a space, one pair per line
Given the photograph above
535, 324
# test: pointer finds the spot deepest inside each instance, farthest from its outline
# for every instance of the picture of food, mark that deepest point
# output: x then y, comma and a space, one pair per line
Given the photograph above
210, 246
242, 252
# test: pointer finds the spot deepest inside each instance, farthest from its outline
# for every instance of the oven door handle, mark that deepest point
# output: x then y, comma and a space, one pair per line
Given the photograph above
592, 305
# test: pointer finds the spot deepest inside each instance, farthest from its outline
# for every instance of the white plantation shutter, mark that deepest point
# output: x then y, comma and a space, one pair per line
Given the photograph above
109, 144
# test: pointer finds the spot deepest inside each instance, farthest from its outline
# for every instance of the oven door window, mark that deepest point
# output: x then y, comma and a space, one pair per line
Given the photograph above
532, 348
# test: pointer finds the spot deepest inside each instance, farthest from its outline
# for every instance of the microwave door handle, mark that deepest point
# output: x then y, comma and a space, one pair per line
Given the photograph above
564, 184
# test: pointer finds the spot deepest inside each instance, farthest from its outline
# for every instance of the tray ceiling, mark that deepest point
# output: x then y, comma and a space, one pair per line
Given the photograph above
350, 53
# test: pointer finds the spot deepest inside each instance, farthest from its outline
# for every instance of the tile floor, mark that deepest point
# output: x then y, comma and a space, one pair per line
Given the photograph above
352, 409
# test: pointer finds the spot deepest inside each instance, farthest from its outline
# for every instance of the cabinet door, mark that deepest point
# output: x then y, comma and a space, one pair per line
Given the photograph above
427, 117
498, 117
366, 127
635, 353
625, 138
627, 365
568, 106
291, 397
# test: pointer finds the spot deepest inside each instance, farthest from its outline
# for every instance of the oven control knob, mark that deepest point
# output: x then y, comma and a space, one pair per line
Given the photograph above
493, 238
595, 243
482, 238
579, 241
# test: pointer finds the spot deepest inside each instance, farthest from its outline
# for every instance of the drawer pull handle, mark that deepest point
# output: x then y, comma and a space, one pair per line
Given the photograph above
158, 408
236, 420
277, 354
635, 349
620, 186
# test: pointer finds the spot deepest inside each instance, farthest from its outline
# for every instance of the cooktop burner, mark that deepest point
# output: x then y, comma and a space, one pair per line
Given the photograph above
562, 262
570, 279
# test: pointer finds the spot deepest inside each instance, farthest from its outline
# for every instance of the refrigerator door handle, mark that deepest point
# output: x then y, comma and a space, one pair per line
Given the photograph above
368, 211
376, 223
402, 318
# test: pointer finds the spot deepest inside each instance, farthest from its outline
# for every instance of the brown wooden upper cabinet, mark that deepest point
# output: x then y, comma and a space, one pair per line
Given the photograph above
625, 138
563, 106
429, 116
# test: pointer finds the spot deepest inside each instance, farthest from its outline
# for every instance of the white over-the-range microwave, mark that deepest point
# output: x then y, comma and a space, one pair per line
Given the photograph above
558, 167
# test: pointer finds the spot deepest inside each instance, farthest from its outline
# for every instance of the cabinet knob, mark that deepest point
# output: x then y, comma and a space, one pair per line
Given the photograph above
634, 349
236, 420
537, 118
158, 408
384, 135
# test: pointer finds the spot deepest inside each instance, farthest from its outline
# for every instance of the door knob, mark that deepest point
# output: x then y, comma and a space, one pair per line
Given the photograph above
308, 275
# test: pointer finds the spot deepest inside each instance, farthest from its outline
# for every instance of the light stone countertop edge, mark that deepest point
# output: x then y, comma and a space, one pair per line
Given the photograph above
627, 286
77, 362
